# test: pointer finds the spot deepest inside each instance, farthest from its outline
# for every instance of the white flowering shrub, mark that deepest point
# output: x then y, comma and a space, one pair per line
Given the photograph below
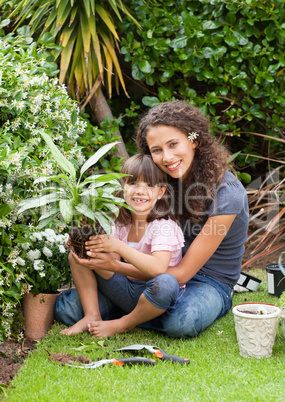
44, 260
31, 101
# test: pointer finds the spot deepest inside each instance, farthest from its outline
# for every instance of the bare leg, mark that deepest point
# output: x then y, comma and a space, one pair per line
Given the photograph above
144, 311
86, 286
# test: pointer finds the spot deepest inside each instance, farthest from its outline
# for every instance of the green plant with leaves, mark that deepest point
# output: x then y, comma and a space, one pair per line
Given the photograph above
281, 304
87, 35
281, 301
84, 201
85, 30
32, 101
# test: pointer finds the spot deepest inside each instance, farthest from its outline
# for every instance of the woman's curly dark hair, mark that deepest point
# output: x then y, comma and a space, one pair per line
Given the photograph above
210, 159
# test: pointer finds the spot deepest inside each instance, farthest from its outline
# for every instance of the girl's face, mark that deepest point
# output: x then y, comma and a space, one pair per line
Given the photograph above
142, 196
171, 150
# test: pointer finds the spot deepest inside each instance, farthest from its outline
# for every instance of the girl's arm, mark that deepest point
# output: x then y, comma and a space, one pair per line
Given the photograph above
105, 262
152, 265
202, 248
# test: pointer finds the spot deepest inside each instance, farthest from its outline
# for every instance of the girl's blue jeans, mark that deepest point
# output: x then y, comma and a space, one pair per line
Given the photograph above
189, 311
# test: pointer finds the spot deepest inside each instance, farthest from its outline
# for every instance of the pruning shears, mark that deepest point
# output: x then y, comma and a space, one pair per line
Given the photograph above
160, 353
128, 361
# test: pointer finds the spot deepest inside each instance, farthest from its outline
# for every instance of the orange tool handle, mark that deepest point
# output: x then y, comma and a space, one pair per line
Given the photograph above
161, 354
130, 361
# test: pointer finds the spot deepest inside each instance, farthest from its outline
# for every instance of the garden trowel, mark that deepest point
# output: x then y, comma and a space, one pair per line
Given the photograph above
161, 354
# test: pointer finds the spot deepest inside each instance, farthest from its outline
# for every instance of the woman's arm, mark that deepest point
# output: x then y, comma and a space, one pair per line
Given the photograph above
202, 248
151, 265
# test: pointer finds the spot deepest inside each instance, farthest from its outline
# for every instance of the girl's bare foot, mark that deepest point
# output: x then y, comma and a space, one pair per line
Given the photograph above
80, 326
106, 328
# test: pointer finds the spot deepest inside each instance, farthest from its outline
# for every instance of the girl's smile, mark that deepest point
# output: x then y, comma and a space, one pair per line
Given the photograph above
171, 150
142, 196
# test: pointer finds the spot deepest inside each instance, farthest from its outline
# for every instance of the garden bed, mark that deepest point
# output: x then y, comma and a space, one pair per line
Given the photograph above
12, 356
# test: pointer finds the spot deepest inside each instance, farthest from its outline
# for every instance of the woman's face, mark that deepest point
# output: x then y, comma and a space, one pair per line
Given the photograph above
171, 150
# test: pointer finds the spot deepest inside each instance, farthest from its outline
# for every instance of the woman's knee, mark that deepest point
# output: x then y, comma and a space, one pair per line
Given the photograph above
162, 291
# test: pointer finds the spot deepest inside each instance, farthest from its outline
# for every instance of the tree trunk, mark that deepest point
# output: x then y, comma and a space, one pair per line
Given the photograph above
101, 109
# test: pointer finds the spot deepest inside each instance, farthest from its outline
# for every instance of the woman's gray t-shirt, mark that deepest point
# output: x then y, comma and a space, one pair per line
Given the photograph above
230, 199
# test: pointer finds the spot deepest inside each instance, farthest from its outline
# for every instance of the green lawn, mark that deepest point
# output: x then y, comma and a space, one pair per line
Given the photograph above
216, 372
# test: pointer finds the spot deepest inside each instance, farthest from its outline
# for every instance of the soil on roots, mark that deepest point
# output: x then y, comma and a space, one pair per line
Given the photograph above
79, 235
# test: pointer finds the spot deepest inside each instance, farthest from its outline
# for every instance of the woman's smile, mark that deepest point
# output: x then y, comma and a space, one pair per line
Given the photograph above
174, 166
171, 150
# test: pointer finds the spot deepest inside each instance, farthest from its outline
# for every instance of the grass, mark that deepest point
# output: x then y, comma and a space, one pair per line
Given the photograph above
216, 372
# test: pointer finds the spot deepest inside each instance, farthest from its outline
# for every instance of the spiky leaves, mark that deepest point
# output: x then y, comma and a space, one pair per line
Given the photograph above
87, 33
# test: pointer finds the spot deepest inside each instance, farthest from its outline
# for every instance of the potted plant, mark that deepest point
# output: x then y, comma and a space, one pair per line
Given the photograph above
44, 258
256, 326
87, 202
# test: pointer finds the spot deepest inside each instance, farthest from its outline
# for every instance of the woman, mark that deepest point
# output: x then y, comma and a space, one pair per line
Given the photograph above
212, 209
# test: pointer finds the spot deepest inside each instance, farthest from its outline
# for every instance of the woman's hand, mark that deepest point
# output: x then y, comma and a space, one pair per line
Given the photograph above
102, 243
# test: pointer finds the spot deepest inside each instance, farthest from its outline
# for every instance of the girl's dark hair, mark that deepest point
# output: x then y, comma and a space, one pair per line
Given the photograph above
142, 168
210, 159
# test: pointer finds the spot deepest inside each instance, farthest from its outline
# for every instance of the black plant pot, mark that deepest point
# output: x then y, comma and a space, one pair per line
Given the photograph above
275, 280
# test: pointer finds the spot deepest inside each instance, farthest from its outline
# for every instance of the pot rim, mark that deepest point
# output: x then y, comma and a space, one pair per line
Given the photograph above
275, 313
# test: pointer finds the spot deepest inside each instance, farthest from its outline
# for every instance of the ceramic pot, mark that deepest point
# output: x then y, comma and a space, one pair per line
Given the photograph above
38, 314
256, 326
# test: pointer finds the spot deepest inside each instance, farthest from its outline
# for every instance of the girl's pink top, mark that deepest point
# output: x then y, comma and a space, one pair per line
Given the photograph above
160, 235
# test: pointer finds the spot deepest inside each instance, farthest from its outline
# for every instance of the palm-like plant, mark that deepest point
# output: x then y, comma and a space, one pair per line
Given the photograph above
86, 31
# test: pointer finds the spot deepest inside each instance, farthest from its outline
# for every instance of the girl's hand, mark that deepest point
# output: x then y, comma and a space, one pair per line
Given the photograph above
101, 261
102, 243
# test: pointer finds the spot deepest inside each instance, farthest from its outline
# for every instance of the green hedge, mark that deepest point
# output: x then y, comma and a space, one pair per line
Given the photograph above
227, 57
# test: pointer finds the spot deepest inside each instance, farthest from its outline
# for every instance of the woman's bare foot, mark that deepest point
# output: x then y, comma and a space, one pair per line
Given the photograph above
80, 326
107, 328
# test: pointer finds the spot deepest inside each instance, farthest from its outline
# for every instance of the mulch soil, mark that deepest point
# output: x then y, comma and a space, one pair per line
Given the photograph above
13, 354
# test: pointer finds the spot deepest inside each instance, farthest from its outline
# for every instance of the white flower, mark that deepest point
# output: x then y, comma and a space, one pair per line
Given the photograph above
20, 261
25, 246
38, 265
47, 252
42, 274
50, 232
38, 236
61, 248
192, 136
33, 254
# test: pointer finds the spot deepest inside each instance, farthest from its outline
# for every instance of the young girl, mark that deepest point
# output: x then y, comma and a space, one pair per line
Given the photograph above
145, 237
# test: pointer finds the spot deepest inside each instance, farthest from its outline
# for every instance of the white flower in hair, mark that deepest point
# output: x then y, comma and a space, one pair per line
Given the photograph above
192, 136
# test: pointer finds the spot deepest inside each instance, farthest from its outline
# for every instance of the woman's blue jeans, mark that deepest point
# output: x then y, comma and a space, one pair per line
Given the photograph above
189, 311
